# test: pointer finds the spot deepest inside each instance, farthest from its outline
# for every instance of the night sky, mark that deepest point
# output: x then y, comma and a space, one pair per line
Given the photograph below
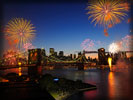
63, 26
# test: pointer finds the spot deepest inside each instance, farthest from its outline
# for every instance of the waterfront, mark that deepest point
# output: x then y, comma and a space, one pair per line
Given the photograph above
110, 85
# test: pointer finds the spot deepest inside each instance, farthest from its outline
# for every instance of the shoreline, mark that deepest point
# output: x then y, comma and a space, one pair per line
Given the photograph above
80, 90
62, 88
67, 96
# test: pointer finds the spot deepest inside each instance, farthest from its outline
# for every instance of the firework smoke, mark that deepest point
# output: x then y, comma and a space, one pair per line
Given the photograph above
114, 48
124, 44
28, 46
90, 45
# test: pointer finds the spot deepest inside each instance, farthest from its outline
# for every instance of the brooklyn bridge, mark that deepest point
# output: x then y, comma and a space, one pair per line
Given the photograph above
37, 57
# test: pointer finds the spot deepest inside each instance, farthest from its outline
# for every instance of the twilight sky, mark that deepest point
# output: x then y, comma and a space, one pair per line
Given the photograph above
64, 26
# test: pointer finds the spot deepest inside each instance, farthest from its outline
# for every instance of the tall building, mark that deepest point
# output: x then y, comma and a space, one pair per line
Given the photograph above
71, 56
43, 52
61, 54
74, 56
79, 54
51, 51
101, 56
55, 54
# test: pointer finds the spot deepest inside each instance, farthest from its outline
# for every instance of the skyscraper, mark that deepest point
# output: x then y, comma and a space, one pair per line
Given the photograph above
55, 54
61, 54
71, 56
43, 52
79, 54
51, 51
74, 56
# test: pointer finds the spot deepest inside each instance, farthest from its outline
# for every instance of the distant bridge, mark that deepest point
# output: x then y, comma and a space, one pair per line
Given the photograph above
105, 52
59, 64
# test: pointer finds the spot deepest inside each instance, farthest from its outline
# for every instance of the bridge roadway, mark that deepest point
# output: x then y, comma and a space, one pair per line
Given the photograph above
105, 52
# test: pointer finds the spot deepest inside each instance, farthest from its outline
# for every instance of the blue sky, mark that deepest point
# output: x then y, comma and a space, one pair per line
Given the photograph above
63, 26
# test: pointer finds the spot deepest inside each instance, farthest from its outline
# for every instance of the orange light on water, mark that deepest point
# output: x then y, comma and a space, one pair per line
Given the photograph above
20, 73
4, 80
19, 63
110, 62
111, 81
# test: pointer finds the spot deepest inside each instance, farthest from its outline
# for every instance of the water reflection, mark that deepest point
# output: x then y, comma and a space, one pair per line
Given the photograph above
20, 71
116, 85
111, 86
90, 95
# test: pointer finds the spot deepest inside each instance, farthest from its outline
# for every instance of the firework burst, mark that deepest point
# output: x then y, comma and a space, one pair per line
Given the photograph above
90, 45
28, 46
107, 12
87, 44
114, 48
11, 57
19, 31
126, 42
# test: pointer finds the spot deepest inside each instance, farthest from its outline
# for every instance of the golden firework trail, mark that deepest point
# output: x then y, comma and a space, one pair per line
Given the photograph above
107, 12
19, 31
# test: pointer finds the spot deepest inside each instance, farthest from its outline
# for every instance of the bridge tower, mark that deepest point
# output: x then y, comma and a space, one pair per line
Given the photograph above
80, 61
101, 56
35, 62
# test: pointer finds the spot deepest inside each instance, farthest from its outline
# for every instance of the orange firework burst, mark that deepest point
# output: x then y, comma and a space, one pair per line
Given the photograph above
107, 12
110, 25
106, 34
20, 31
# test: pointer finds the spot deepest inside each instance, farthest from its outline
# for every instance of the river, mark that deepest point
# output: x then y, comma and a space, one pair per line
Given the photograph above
115, 85
111, 85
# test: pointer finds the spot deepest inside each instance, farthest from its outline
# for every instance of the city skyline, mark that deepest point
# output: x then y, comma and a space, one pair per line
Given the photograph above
66, 49
64, 26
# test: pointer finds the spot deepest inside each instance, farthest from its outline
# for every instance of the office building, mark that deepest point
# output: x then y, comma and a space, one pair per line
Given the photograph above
51, 51
74, 56
61, 53
79, 54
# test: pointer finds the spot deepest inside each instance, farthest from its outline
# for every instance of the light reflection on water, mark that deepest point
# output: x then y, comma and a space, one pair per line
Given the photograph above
20, 71
111, 82
116, 85
110, 85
